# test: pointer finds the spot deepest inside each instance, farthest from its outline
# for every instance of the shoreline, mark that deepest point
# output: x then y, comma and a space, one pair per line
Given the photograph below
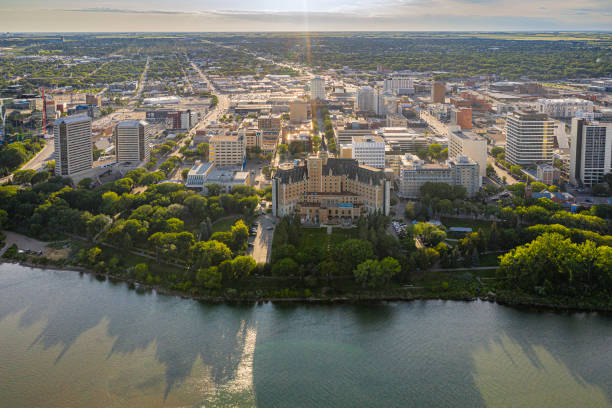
534, 305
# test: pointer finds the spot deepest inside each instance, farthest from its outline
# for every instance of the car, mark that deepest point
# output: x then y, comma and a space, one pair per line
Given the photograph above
270, 228
251, 244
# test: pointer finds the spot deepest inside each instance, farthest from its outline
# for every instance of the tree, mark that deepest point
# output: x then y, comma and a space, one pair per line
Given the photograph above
140, 271
353, 252
555, 265
93, 255
85, 183
40, 177
240, 236
243, 266
409, 211
184, 173
213, 189
373, 273
209, 278
209, 253
196, 204
23, 176
284, 267
96, 224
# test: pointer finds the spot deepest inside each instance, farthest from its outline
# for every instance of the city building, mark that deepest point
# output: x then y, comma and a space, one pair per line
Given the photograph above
547, 174
365, 99
205, 173
132, 138
329, 189
369, 151
317, 88
227, 150
395, 83
269, 122
530, 138
564, 108
92, 99
438, 92
298, 111
403, 139
396, 120
73, 146
590, 151
414, 172
468, 144
461, 117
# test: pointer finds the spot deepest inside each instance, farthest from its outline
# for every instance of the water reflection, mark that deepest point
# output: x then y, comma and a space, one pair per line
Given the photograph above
182, 331
81, 342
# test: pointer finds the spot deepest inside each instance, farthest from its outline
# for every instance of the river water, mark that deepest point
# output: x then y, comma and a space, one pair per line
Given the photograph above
69, 340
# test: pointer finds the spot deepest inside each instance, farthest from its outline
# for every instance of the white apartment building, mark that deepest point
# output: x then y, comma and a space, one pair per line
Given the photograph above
227, 150
73, 146
462, 143
564, 108
530, 138
369, 151
590, 151
132, 139
317, 88
414, 172
398, 82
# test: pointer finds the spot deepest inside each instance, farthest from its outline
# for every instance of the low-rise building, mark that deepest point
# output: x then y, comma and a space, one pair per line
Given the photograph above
205, 173
414, 172
227, 150
369, 150
468, 144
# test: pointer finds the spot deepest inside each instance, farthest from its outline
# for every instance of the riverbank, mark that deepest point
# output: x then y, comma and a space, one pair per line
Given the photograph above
405, 294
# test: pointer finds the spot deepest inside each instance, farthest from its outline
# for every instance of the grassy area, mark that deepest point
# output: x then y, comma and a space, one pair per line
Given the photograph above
473, 224
225, 224
318, 236
489, 259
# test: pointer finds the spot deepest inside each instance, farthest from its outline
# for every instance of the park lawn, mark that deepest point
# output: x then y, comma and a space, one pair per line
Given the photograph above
489, 259
225, 224
434, 278
318, 236
473, 224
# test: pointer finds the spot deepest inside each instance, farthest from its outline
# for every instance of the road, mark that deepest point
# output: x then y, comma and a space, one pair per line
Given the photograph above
141, 83
38, 161
435, 124
262, 244
501, 172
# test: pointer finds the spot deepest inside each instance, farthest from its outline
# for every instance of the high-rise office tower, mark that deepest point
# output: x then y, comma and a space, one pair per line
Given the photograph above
132, 141
438, 92
590, 151
365, 99
529, 138
73, 147
317, 88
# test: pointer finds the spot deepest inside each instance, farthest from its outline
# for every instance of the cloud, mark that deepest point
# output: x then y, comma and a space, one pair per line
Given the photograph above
125, 11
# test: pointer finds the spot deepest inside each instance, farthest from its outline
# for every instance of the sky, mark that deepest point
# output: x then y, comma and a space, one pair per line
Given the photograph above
303, 15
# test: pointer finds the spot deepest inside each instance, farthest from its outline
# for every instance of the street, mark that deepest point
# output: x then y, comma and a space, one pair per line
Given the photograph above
262, 243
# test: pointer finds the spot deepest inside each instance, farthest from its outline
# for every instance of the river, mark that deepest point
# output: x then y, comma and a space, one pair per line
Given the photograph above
70, 340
